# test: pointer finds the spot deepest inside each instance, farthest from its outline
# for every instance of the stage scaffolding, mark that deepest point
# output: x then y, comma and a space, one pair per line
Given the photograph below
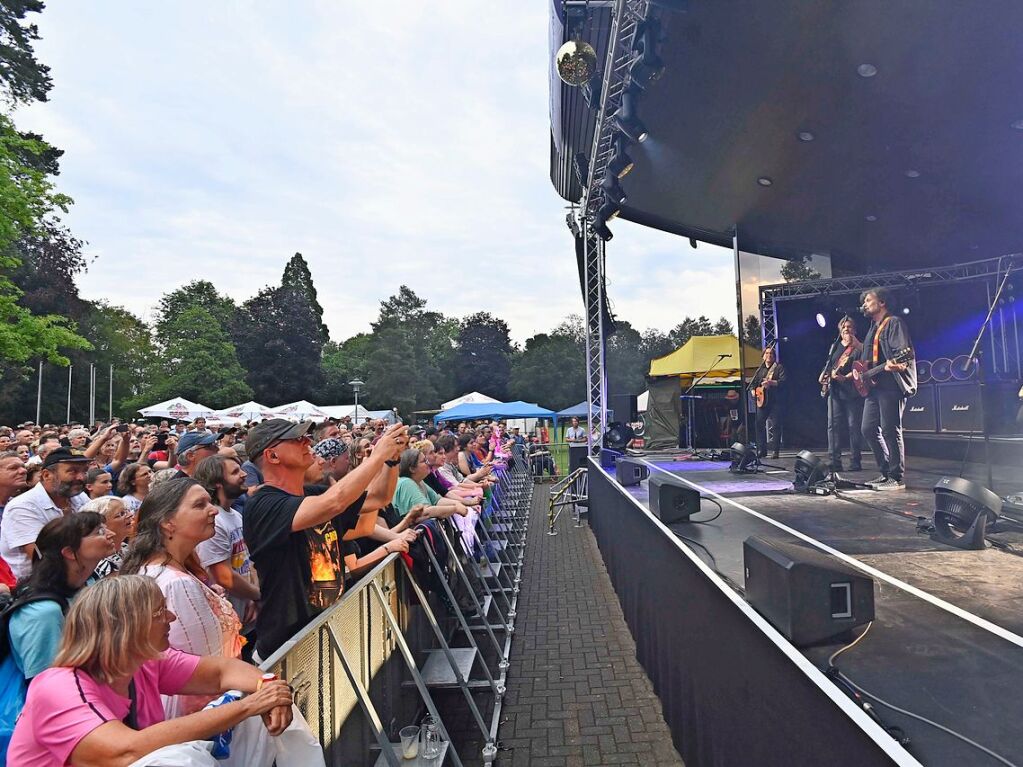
626, 15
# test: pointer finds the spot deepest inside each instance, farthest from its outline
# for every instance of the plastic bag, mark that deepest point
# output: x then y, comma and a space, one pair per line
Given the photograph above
12, 699
252, 745
195, 753
297, 746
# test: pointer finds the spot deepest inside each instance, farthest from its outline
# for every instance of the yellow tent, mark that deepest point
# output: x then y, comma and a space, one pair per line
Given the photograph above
700, 353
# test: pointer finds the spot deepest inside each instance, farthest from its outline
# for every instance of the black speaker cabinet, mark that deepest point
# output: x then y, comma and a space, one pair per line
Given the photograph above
805, 594
921, 410
625, 407
577, 455
629, 471
671, 500
959, 407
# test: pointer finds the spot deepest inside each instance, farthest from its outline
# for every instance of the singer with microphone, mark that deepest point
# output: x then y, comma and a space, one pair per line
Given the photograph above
768, 385
845, 406
885, 402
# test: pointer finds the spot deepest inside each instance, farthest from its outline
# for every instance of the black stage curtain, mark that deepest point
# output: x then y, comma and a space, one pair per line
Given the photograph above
662, 413
730, 696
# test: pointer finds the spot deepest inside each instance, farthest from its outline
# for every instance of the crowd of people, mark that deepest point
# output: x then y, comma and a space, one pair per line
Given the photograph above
144, 567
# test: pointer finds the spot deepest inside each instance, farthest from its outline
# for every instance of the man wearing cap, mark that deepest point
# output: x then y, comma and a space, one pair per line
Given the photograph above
294, 539
62, 478
193, 446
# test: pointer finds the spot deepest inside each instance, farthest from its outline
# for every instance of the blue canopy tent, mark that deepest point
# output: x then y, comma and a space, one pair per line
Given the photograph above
579, 411
517, 409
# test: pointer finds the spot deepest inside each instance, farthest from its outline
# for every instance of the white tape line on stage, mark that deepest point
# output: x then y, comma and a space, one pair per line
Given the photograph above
976, 620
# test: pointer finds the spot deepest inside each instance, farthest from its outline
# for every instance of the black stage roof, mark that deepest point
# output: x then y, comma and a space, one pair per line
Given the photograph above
891, 131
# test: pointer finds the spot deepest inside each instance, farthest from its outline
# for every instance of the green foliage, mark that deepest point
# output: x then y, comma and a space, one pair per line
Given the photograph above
751, 331
483, 356
798, 269
626, 363
199, 362
196, 293
551, 371
389, 380
298, 278
24, 79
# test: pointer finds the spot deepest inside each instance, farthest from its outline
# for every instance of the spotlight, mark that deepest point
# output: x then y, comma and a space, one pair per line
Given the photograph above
626, 120
905, 310
744, 459
821, 320
647, 66
620, 163
810, 470
613, 191
600, 229
962, 512
581, 166
608, 211
618, 436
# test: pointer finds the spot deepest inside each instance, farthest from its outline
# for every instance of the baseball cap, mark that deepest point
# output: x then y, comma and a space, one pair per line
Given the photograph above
264, 434
63, 455
192, 439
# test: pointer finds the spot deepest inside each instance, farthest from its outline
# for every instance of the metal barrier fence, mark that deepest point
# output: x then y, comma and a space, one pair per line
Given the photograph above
353, 668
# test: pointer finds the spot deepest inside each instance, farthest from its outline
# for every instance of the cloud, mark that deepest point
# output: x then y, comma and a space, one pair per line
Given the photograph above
388, 144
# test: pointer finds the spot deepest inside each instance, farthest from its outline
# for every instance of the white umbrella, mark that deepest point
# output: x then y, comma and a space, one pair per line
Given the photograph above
472, 398
340, 411
247, 411
300, 411
178, 408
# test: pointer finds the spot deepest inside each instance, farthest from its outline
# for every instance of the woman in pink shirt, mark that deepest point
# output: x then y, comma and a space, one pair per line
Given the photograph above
100, 702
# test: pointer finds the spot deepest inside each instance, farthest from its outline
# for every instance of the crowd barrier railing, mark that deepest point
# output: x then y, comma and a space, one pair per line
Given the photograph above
354, 665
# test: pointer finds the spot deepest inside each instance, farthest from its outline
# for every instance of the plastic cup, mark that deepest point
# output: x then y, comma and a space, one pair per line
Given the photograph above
409, 741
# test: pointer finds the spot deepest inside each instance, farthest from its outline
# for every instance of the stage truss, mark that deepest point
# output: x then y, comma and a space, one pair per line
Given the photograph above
626, 16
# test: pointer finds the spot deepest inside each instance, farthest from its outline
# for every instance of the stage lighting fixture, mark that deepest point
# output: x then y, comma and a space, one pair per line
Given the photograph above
647, 66
581, 166
620, 163
962, 512
821, 320
613, 191
618, 436
809, 470
744, 458
600, 229
626, 120
608, 211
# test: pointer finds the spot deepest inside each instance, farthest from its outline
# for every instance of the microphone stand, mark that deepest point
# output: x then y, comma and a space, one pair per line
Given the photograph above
693, 385
975, 358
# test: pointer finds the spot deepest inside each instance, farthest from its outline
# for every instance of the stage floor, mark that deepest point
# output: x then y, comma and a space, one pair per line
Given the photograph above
946, 643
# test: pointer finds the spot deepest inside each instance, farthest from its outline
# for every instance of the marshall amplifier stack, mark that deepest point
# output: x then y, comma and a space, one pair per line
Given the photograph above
948, 399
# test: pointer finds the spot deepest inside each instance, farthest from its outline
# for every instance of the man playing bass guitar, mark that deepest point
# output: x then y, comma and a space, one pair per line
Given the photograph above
884, 405
845, 405
768, 385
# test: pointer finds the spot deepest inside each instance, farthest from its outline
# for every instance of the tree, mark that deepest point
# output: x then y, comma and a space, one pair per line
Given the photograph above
724, 327
196, 293
298, 278
798, 269
24, 78
654, 344
626, 364
751, 332
689, 327
199, 362
342, 363
482, 357
388, 381
550, 371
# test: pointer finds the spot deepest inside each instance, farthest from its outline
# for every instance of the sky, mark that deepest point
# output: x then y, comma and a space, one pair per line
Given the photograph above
389, 143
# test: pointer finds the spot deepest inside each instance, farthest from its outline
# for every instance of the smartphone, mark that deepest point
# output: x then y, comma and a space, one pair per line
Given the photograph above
121, 428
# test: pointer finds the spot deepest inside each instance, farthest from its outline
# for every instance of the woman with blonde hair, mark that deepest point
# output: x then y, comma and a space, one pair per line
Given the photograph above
120, 522
100, 702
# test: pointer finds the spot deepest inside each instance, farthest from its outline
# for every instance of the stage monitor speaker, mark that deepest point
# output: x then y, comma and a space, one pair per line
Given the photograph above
807, 595
959, 407
577, 454
629, 471
625, 407
671, 500
921, 410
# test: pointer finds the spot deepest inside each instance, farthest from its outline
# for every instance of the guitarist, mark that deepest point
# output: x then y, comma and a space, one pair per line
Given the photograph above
769, 383
845, 406
883, 407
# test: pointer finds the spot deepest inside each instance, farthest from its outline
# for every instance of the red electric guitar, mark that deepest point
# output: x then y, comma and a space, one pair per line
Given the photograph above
864, 382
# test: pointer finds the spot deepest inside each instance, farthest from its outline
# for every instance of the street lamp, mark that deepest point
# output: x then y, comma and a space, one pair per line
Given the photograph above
356, 385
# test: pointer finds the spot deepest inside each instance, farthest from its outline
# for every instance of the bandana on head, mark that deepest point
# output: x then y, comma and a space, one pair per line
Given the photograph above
330, 448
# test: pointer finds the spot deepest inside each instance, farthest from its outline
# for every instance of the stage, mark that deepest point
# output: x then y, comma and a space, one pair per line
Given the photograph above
946, 642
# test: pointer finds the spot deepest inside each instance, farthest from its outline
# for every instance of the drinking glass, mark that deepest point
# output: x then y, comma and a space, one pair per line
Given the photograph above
430, 738
409, 742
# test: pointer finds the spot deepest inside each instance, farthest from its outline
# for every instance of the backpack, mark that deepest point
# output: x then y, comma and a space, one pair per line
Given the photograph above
16, 604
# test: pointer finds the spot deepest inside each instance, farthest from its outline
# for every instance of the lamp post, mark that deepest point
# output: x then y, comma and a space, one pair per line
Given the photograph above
356, 385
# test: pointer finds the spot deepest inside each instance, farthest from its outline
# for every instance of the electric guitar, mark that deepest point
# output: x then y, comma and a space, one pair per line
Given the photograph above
761, 391
864, 382
826, 386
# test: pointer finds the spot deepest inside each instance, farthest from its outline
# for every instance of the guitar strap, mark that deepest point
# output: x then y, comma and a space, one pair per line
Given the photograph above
877, 339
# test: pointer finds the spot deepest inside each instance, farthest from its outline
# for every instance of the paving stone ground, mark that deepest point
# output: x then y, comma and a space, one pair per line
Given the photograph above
576, 693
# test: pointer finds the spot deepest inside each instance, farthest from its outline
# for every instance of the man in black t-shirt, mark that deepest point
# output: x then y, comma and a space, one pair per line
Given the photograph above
294, 539
771, 377
845, 405
883, 408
